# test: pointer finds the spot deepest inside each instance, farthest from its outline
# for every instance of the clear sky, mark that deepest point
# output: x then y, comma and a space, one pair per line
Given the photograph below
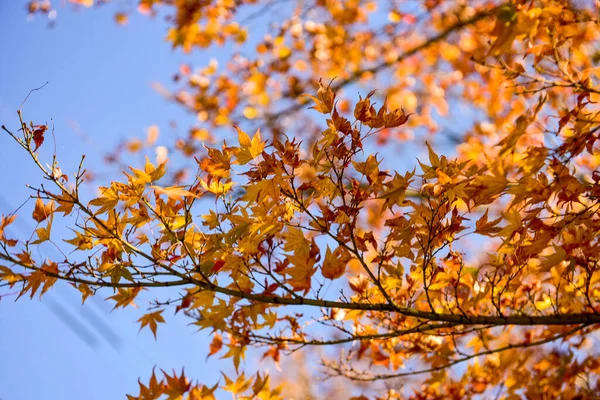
100, 77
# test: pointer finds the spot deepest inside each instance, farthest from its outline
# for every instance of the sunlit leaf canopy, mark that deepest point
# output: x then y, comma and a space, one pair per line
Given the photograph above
475, 274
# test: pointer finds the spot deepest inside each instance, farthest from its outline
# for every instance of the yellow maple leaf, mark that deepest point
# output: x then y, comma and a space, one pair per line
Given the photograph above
217, 187
125, 297
152, 320
249, 148
173, 192
237, 352
296, 242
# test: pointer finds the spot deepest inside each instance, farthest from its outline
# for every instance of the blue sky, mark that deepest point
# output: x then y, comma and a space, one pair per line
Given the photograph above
99, 79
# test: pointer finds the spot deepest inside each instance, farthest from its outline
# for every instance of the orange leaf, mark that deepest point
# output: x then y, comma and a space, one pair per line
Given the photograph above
41, 210
152, 320
215, 345
335, 263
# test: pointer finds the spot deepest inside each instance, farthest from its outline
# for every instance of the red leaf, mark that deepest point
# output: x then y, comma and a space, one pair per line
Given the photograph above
38, 135
185, 303
218, 265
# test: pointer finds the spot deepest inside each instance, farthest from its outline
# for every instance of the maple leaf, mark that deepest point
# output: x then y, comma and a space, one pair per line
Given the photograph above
301, 272
215, 345
6, 221
65, 203
107, 201
38, 135
259, 191
240, 385
176, 386
216, 187
483, 227
396, 190
324, 100
173, 192
358, 283
202, 392
154, 390
335, 263
81, 241
43, 233
296, 242
153, 173
249, 148
217, 164
125, 297
152, 320
46, 276
236, 352
41, 210
85, 292
364, 111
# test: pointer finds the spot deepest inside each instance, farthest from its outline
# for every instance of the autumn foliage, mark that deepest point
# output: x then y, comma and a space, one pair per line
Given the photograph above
474, 274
